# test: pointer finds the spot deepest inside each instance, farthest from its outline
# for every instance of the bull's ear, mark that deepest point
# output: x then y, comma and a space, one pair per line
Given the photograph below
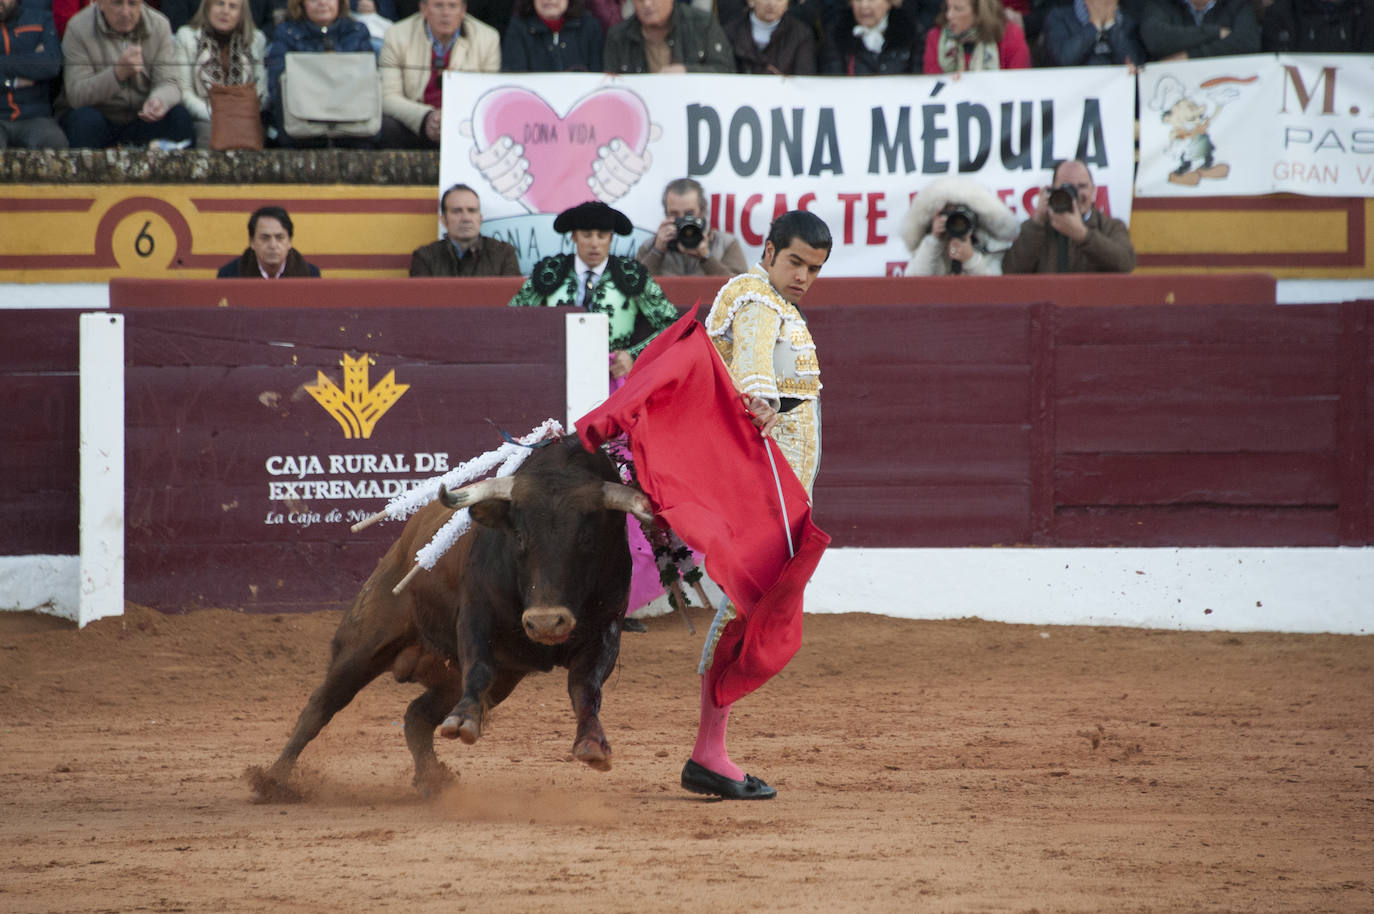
491, 513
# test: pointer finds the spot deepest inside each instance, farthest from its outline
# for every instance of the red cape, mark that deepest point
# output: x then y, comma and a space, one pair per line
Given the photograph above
706, 468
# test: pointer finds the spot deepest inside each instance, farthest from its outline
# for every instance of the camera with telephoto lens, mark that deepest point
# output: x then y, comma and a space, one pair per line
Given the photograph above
691, 229
960, 221
1062, 198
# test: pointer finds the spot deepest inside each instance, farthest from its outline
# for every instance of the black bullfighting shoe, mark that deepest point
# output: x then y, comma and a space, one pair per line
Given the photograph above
631, 624
700, 779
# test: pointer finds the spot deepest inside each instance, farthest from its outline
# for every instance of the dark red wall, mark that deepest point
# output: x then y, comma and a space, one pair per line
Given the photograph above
1015, 422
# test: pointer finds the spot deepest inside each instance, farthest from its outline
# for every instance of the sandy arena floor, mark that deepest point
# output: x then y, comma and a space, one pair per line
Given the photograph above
931, 766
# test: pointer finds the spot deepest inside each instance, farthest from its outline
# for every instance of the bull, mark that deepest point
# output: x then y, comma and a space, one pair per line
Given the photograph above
540, 580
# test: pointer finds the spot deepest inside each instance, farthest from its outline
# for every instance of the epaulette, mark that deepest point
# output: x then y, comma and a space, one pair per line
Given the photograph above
628, 275
550, 273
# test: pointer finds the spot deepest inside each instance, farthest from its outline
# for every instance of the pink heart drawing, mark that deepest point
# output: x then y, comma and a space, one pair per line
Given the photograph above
561, 150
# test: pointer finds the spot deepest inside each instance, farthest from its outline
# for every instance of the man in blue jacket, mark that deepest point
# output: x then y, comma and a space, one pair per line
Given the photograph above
30, 58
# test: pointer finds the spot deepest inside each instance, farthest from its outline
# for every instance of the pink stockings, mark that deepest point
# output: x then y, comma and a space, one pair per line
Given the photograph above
709, 751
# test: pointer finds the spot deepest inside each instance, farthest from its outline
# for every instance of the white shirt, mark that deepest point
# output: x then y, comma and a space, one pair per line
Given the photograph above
582, 270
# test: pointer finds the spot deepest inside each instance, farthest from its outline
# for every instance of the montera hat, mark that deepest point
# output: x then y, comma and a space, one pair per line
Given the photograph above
593, 216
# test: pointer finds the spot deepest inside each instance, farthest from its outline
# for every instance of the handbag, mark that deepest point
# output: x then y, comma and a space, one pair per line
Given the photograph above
329, 94
235, 118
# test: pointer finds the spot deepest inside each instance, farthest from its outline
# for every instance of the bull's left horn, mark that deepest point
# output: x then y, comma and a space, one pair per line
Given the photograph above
617, 497
497, 489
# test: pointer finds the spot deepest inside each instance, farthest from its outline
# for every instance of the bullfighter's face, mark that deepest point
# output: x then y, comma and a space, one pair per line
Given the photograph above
793, 269
593, 245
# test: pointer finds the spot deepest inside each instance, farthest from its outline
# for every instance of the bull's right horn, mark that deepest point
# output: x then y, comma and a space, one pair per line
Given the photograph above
617, 497
497, 489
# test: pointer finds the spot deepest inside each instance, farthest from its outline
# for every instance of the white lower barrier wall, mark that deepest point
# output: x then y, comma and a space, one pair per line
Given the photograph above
1253, 589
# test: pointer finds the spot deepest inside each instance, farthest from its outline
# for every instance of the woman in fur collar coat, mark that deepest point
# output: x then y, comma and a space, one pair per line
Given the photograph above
936, 246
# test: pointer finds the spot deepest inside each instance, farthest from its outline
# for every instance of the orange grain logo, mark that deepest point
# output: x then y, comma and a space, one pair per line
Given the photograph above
358, 406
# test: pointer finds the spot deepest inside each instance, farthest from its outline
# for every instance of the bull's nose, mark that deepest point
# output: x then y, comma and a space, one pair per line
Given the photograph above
548, 624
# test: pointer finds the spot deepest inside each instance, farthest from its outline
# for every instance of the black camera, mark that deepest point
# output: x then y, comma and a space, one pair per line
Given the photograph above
691, 229
1062, 198
960, 221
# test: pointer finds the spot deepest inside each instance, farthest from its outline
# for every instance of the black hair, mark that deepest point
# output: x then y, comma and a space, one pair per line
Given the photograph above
799, 225
444, 199
271, 212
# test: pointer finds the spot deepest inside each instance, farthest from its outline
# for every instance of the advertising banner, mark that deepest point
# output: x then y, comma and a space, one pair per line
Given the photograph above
853, 151
1258, 124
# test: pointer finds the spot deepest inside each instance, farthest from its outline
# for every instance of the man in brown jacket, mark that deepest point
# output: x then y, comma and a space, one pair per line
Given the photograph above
1067, 234
120, 78
464, 251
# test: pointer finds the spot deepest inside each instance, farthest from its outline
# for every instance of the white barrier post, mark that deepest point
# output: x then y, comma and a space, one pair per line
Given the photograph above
102, 467
588, 368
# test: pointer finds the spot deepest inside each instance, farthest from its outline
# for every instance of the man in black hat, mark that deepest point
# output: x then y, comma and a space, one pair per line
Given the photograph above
602, 282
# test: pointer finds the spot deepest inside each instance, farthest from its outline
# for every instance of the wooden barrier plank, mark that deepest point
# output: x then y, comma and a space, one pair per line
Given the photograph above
915, 516
980, 334
1196, 525
906, 453
1183, 478
1089, 425
42, 340
865, 393
39, 407
234, 337
40, 522
1232, 369
1219, 323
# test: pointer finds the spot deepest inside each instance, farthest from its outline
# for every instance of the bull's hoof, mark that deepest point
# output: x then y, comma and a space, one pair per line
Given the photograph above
464, 728
270, 787
433, 779
594, 753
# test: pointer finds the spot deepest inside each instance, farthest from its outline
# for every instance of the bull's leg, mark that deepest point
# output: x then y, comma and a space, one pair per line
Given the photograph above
422, 716
586, 675
347, 675
479, 673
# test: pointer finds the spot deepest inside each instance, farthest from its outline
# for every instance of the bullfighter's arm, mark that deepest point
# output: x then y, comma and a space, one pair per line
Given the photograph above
657, 310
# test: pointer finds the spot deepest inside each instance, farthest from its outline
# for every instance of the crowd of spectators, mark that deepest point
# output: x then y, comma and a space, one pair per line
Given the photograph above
95, 73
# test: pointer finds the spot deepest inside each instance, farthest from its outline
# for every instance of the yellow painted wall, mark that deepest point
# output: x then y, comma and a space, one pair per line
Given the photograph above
91, 233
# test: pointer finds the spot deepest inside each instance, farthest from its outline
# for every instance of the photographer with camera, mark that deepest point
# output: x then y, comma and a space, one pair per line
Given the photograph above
1067, 234
955, 225
684, 244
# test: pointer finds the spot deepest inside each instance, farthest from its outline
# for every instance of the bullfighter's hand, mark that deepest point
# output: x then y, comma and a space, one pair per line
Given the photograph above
621, 363
762, 414
504, 166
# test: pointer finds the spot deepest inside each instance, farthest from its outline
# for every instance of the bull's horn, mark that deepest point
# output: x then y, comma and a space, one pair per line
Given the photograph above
487, 490
619, 497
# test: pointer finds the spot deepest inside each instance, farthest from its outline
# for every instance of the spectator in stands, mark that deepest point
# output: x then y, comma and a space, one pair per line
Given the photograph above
30, 59
765, 40
1319, 26
270, 254
377, 15
872, 38
552, 36
667, 37
685, 215
221, 46
63, 11
602, 282
417, 51
956, 225
316, 27
1184, 29
1068, 234
1092, 33
463, 251
975, 35
121, 78
179, 13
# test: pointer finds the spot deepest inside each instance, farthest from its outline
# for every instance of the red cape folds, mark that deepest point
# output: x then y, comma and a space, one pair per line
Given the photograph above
704, 465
